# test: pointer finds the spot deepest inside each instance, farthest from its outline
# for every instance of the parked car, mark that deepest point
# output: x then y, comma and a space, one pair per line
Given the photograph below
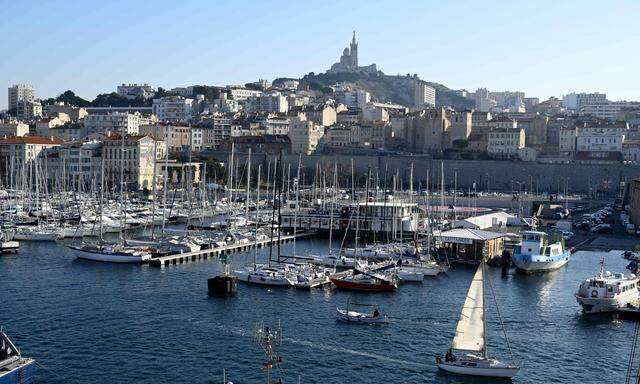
602, 228
631, 229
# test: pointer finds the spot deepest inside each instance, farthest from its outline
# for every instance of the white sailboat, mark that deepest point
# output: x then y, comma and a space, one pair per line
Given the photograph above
468, 354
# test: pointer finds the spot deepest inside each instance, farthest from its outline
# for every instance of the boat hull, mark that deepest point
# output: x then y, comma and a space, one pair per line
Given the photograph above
356, 286
262, 280
505, 371
360, 319
28, 236
110, 257
24, 373
540, 263
602, 305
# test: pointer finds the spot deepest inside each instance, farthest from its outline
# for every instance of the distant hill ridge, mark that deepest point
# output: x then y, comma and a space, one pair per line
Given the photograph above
396, 89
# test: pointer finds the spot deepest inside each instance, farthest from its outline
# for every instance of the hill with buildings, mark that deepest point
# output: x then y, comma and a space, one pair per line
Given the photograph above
395, 89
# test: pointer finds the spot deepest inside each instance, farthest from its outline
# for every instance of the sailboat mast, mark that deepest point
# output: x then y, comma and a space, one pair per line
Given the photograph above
333, 202
246, 203
166, 177
255, 255
153, 186
101, 197
484, 311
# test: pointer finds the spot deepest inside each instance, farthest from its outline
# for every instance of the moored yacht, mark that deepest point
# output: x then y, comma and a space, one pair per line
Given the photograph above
266, 276
607, 292
535, 254
112, 253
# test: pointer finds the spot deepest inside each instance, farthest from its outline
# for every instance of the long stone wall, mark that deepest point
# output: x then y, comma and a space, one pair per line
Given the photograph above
486, 174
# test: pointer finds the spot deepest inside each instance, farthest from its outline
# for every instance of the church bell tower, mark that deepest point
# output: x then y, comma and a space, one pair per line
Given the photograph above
354, 51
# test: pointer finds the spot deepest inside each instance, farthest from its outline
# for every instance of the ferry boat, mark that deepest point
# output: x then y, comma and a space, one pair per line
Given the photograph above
14, 369
535, 254
607, 292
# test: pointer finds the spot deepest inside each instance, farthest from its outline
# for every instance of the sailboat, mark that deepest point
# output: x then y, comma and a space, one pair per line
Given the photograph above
112, 253
468, 353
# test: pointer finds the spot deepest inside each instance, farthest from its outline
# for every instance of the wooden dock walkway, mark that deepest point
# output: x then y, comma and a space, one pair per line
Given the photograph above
215, 253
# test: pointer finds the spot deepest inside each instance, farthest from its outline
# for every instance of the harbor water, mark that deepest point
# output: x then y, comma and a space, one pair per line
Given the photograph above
88, 322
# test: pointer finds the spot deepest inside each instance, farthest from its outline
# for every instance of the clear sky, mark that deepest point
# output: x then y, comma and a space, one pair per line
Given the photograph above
540, 47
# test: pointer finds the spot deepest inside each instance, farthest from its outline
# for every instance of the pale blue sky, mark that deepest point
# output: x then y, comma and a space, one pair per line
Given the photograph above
540, 47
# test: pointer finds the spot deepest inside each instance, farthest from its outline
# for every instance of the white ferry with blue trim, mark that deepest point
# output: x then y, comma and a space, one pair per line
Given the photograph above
535, 254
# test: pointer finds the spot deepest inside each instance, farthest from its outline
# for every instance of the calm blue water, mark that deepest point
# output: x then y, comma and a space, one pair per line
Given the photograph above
88, 322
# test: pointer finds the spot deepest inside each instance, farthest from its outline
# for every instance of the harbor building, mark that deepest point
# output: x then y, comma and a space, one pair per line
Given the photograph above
17, 154
136, 91
114, 122
18, 93
470, 245
177, 136
304, 135
29, 110
76, 164
74, 113
13, 128
133, 158
268, 102
423, 95
179, 174
172, 108
379, 219
632, 199
505, 143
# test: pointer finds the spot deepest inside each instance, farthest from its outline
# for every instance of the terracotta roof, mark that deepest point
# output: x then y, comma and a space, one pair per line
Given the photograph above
30, 140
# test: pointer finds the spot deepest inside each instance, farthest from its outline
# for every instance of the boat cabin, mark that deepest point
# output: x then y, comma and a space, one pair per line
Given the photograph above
537, 243
609, 285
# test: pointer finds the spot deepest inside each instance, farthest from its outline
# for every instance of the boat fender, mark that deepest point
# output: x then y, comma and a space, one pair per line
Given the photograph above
594, 293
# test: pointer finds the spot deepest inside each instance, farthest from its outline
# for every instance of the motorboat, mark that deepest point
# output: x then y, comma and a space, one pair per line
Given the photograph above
15, 369
468, 352
535, 254
351, 316
607, 292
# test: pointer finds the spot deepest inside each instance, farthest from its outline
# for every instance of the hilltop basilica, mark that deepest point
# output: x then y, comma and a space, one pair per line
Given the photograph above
349, 60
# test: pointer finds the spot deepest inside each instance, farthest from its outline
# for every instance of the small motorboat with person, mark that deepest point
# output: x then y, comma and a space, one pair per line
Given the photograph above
352, 316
